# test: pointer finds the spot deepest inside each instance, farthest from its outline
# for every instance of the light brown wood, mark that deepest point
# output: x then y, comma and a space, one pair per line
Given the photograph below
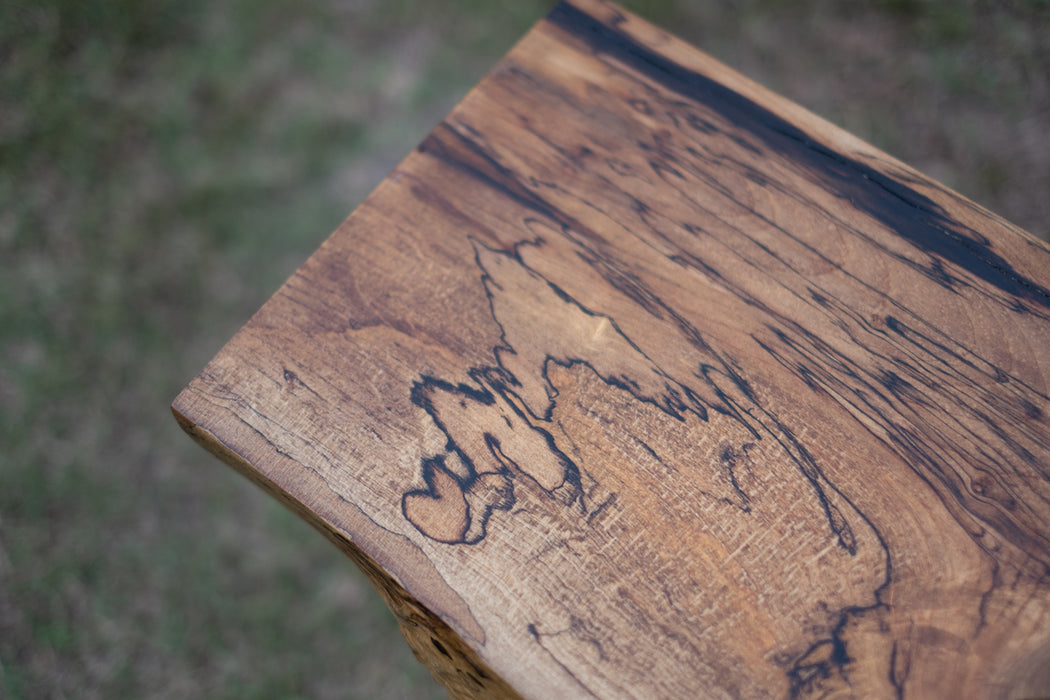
636, 379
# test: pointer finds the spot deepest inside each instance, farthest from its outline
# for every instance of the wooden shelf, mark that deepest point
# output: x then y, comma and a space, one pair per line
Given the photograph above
636, 379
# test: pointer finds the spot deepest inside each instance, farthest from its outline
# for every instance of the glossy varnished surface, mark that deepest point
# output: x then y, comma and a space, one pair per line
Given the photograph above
638, 380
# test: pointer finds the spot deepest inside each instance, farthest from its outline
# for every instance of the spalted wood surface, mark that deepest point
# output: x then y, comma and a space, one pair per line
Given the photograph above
636, 379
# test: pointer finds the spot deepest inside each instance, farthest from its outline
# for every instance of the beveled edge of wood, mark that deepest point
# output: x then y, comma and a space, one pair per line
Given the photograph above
433, 642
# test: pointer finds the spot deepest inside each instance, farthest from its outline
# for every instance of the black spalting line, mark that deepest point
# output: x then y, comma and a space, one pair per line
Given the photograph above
486, 382
933, 460
498, 380
462, 152
484, 168
910, 214
729, 461
828, 655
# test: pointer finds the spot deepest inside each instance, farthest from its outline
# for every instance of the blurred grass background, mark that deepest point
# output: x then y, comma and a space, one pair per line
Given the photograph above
165, 165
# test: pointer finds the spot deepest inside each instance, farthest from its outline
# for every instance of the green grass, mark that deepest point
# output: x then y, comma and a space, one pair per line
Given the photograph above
165, 165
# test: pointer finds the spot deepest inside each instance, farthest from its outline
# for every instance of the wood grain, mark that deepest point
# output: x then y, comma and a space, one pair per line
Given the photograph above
636, 379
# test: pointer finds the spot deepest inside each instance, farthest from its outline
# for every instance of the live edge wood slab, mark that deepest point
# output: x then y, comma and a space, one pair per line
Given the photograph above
638, 380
